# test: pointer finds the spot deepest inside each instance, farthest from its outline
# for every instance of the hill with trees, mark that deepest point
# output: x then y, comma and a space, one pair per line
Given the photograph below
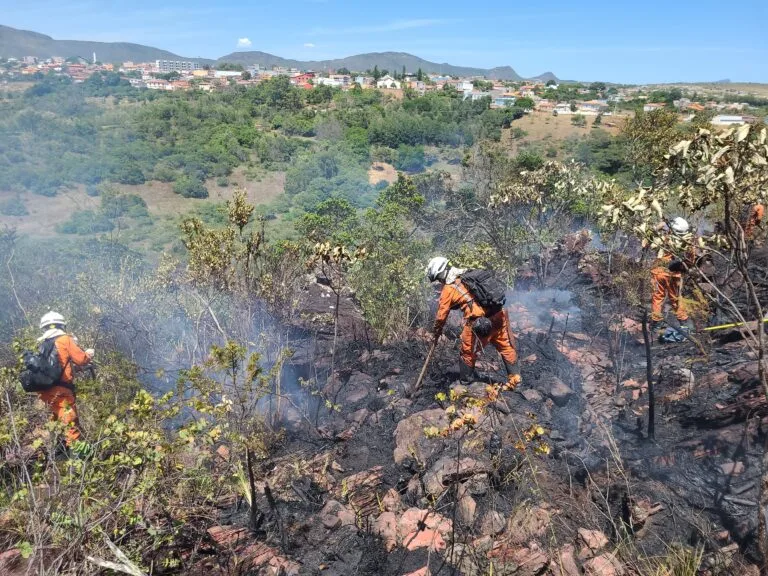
19, 43
362, 62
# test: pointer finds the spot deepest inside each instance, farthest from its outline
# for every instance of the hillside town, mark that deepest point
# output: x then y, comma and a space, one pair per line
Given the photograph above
593, 99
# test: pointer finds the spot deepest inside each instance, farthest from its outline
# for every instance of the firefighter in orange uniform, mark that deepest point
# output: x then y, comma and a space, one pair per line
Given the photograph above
492, 329
667, 278
754, 219
60, 398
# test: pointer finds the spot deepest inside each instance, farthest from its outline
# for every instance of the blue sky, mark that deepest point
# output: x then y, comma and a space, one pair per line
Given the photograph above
638, 42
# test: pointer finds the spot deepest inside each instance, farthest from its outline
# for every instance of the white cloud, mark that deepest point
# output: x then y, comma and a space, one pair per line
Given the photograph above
309, 45
243, 43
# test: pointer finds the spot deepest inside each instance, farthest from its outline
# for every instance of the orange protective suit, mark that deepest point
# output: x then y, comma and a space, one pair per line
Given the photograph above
61, 402
61, 399
755, 218
455, 296
666, 284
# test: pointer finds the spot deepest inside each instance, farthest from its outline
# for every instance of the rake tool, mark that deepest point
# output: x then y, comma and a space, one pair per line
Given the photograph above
423, 373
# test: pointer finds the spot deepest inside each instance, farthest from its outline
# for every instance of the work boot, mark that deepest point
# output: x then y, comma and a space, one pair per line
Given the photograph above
467, 373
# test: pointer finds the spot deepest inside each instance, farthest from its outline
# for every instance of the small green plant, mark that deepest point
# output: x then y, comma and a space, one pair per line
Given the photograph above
578, 120
14, 207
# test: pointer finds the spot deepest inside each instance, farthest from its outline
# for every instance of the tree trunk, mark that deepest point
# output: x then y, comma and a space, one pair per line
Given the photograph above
254, 518
649, 377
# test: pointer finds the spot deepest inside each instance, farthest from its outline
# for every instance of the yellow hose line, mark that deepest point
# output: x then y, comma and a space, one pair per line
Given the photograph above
723, 326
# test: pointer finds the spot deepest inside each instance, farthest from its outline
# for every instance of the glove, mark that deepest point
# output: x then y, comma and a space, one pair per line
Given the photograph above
90, 352
513, 380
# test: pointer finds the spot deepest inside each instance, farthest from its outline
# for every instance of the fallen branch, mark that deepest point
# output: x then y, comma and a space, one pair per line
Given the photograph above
124, 564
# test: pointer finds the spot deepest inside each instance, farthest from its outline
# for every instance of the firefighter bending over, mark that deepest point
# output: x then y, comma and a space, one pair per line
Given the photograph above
480, 324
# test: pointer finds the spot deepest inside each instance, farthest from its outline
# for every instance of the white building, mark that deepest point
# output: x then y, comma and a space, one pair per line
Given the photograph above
165, 66
227, 74
388, 82
728, 120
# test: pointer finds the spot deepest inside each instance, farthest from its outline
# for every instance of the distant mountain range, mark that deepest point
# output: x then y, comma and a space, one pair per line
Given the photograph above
19, 43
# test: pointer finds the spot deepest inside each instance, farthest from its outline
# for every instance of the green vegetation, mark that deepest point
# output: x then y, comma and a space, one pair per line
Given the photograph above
114, 211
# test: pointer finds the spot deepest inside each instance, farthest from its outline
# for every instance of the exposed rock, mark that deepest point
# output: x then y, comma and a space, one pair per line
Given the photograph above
714, 379
565, 563
227, 536
357, 388
532, 395
559, 392
9, 560
420, 572
673, 374
479, 484
603, 565
391, 502
556, 435
419, 528
386, 527
631, 384
594, 539
359, 416
520, 561
360, 490
465, 507
410, 441
414, 492
492, 524
334, 515
256, 557
527, 523
732, 468
356, 396
447, 470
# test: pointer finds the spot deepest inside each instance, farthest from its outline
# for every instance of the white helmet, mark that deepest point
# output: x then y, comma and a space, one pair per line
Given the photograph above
680, 226
436, 266
51, 319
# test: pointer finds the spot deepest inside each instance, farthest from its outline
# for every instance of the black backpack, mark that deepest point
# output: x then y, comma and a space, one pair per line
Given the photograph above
486, 289
41, 370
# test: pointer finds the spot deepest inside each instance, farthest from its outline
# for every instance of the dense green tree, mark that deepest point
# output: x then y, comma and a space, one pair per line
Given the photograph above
190, 188
410, 158
525, 103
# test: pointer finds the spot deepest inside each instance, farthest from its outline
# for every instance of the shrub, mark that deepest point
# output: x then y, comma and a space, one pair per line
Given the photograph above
128, 174
410, 158
190, 188
578, 120
86, 222
117, 205
518, 133
222, 181
92, 190
13, 207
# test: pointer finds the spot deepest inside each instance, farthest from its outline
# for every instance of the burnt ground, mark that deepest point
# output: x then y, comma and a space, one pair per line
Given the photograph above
361, 489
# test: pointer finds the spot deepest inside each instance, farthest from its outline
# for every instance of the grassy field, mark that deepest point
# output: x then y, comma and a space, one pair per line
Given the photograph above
543, 130
755, 89
381, 172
